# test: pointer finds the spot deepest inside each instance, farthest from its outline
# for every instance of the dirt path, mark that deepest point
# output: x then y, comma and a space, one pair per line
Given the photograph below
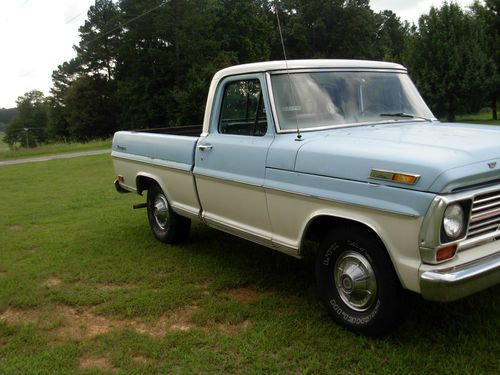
51, 157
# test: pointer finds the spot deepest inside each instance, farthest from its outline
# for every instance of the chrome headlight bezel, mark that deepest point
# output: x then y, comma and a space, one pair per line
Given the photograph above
433, 236
454, 222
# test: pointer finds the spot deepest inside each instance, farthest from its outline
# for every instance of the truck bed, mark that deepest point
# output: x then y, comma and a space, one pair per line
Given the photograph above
163, 155
170, 147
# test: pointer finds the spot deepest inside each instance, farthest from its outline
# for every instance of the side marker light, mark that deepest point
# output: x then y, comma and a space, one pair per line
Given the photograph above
447, 252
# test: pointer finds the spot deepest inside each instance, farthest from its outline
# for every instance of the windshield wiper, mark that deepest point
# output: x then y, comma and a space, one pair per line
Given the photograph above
405, 115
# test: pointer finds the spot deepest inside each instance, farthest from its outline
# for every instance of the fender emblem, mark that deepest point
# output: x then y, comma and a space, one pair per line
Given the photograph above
492, 164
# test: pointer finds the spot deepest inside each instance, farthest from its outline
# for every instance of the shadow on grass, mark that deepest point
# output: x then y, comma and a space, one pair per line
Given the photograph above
248, 264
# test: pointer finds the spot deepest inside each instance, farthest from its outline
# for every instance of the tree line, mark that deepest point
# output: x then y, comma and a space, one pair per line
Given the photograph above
6, 115
148, 63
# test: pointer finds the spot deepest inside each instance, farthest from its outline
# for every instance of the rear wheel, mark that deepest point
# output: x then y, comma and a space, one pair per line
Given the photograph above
357, 282
166, 225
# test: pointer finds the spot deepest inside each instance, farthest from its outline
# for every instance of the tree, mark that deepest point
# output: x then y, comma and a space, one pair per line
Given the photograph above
90, 73
326, 29
391, 36
6, 114
447, 60
243, 29
168, 56
210, 36
489, 18
152, 61
62, 79
99, 39
28, 126
91, 108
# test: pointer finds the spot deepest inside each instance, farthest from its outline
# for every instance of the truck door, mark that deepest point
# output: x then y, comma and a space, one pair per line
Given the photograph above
230, 161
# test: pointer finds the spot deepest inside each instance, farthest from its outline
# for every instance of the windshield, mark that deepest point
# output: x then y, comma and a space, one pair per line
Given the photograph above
324, 99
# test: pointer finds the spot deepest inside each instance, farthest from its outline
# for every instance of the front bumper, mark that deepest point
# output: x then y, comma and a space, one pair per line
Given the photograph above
449, 284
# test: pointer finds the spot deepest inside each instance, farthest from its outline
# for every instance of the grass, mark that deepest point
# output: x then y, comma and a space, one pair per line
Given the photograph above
483, 117
86, 289
52, 148
3, 146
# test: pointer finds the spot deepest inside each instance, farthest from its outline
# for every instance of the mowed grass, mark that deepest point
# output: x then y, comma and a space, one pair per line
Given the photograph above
85, 288
483, 117
3, 146
53, 148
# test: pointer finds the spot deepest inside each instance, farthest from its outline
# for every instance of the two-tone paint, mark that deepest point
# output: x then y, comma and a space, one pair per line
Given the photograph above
273, 189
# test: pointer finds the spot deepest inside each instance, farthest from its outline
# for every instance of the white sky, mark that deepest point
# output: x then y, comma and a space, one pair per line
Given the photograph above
411, 10
37, 35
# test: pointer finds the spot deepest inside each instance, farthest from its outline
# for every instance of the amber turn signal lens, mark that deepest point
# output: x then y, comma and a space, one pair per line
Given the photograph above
404, 178
399, 177
446, 253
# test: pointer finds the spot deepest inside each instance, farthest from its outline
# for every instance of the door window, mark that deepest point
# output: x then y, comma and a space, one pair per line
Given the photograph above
243, 110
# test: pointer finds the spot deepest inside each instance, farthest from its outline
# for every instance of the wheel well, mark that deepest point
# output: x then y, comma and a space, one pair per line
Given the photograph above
321, 225
143, 182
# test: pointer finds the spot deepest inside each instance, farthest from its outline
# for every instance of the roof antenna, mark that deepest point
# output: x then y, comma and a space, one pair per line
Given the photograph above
299, 136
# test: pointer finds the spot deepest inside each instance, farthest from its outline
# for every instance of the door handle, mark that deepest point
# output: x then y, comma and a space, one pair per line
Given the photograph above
203, 147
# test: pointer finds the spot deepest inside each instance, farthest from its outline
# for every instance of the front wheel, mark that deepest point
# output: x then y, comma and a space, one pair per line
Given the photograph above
166, 225
357, 282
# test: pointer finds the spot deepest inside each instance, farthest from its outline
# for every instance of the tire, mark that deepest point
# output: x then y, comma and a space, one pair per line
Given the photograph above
166, 225
357, 282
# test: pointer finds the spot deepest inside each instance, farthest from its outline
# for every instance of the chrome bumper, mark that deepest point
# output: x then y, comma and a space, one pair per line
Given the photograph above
449, 284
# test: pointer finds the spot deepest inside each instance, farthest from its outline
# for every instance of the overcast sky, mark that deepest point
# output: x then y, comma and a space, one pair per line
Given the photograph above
411, 10
37, 35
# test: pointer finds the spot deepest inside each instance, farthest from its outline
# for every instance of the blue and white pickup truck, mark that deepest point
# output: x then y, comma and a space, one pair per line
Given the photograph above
341, 152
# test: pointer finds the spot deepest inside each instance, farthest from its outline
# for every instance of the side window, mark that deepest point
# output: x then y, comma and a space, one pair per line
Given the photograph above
243, 110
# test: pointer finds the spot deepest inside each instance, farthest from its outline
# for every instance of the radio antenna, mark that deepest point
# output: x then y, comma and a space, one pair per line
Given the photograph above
299, 136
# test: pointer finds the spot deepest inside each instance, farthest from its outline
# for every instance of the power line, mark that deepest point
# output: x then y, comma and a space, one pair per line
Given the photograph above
26, 129
124, 23
73, 18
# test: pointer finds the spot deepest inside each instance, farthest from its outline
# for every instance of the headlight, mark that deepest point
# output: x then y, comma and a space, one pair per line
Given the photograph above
454, 221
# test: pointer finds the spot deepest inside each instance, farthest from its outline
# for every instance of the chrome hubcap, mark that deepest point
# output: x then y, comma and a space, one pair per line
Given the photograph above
355, 281
160, 211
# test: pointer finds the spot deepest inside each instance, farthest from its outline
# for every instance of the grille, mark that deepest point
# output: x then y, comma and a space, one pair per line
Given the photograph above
485, 216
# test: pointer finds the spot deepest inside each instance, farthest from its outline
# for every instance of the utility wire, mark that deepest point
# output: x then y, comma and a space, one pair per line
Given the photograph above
102, 35
73, 18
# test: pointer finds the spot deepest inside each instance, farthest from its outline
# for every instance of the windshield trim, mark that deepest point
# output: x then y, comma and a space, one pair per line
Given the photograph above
348, 125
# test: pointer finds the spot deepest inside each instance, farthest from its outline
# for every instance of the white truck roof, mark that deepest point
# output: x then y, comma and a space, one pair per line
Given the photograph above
267, 66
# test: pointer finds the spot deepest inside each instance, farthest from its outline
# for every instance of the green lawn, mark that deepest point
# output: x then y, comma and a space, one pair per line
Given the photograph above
85, 288
483, 117
3, 146
52, 148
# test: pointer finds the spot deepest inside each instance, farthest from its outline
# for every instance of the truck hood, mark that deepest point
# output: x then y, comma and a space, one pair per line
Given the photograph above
446, 156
